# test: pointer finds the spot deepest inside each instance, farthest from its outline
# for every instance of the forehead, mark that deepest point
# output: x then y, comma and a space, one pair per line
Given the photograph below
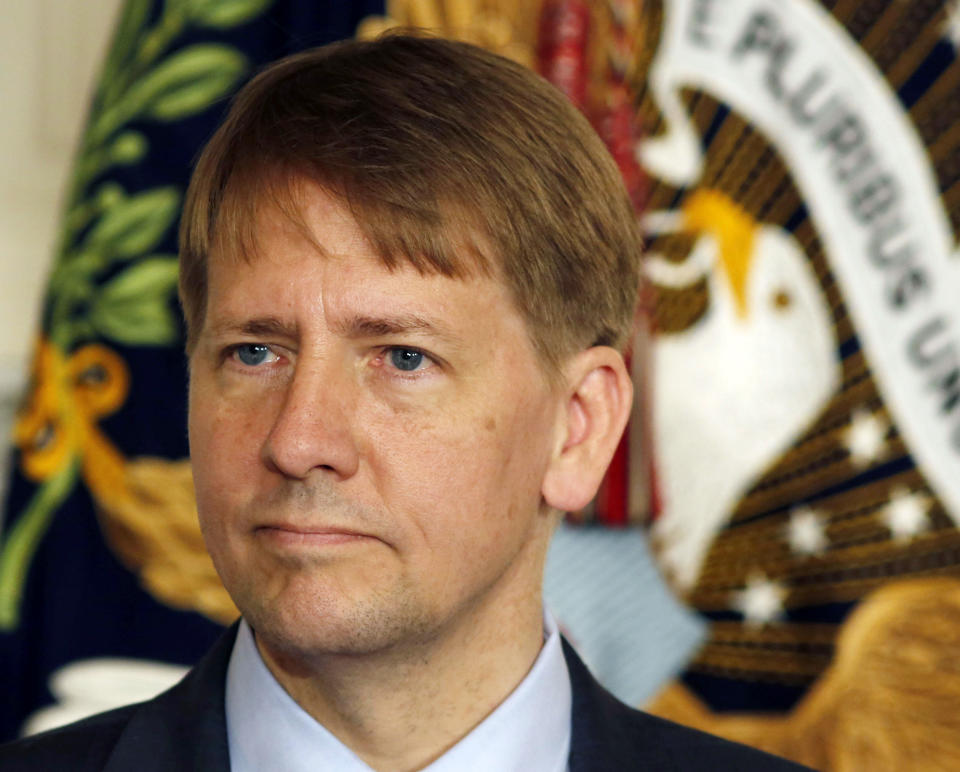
433, 236
320, 263
301, 219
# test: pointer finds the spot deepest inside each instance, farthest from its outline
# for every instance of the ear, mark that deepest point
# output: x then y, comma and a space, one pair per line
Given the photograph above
595, 411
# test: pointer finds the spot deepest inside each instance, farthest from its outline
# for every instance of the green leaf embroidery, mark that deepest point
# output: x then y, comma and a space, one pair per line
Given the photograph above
184, 83
134, 225
128, 148
188, 81
128, 32
224, 13
104, 225
133, 308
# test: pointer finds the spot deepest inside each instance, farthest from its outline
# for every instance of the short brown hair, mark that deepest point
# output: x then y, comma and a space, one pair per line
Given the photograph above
450, 158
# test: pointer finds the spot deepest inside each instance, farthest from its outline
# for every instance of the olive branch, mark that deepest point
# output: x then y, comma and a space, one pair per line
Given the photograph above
107, 281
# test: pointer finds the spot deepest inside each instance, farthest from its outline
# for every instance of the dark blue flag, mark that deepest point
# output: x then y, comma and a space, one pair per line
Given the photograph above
101, 556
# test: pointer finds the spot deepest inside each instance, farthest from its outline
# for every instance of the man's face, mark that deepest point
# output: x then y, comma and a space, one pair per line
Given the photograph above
368, 445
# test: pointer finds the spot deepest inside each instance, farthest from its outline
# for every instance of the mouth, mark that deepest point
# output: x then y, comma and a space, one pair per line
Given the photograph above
297, 536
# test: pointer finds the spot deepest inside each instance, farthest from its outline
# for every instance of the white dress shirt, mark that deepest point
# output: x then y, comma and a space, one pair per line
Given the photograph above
268, 732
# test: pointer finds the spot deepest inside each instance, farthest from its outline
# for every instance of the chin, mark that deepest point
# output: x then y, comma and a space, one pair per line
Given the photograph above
315, 623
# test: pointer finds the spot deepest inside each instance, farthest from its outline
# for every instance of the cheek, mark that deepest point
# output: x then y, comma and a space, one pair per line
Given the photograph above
228, 419
226, 437
467, 479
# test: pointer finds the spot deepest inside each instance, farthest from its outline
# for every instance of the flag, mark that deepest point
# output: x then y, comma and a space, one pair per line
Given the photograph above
103, 575
797, 445
802, 220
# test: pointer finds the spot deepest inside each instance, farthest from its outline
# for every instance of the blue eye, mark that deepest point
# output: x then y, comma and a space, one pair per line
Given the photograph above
252, 354
407, 359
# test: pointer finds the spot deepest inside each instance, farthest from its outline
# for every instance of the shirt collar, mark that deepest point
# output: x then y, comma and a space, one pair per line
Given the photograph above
528, 732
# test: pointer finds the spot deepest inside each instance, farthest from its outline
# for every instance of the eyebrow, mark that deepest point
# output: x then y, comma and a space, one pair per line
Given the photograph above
354, 327
378, 326
266, 326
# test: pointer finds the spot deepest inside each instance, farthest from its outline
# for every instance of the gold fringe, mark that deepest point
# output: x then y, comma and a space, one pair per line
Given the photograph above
154, 530
887, 702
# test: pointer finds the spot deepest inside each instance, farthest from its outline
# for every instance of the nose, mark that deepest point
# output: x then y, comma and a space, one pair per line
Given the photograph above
313, 430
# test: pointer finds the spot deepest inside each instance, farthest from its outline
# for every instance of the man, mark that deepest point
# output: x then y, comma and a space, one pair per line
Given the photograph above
407, 269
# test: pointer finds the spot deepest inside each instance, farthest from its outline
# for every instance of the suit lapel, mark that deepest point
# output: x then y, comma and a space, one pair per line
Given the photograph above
607, 736
185, 728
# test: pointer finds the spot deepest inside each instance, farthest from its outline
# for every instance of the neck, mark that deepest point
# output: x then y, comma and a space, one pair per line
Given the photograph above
402, 708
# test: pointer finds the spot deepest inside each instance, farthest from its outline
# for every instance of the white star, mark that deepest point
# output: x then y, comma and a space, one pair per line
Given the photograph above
865, 437
806, 533
906, 514
761, 601
951, 25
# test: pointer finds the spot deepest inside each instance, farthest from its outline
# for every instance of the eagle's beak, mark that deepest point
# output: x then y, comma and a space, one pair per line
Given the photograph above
712, 212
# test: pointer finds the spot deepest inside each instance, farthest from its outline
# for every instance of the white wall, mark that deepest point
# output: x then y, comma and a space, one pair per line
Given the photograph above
50, 51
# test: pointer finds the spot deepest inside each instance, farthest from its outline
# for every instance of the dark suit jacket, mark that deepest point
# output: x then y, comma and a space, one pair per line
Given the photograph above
184, 730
